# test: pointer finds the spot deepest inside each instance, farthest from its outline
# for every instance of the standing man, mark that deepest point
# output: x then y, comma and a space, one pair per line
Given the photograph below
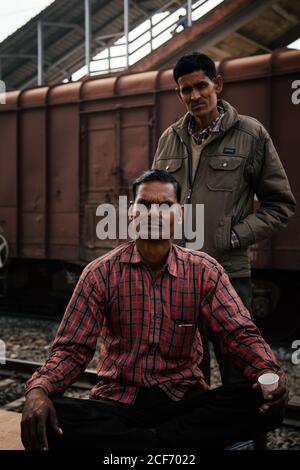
222, 159
145, 300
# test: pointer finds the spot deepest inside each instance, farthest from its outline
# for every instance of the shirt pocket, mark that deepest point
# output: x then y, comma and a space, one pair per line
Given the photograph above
178, 342
224, 173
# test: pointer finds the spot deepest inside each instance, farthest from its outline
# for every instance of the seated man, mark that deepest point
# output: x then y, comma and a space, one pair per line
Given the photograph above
145, 300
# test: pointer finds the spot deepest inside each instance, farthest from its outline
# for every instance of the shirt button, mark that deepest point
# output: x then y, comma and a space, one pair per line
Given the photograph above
225, 164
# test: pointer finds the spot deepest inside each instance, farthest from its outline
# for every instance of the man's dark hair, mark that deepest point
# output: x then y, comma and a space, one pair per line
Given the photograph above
156, 175
192, 62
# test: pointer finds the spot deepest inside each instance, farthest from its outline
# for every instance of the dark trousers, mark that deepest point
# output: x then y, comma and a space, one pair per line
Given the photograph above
203, 420
229, 373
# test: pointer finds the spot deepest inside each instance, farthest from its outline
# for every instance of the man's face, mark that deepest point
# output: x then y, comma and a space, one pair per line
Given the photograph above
199, 93
158, 198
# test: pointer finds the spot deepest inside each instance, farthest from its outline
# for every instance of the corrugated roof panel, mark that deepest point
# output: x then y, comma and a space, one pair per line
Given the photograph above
65, 50
237, 48
107, 18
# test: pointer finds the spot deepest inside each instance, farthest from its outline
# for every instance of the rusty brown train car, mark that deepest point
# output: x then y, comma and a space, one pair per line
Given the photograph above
69, 147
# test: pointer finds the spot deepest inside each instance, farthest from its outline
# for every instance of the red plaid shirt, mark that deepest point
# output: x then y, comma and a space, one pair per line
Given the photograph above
148, 327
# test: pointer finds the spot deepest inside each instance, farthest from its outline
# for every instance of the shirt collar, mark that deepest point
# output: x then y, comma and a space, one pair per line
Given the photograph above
132, 255
199, 136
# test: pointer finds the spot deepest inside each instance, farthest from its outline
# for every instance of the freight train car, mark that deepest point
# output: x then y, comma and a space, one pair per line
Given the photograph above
67, 148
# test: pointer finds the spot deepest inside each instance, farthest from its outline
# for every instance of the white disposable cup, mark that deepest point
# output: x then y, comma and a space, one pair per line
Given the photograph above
268, 383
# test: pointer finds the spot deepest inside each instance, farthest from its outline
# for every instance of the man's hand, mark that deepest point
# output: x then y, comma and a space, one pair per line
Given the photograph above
37, 412
276, 401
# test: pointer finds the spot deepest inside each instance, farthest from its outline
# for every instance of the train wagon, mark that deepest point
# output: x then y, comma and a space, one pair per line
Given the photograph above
67, 148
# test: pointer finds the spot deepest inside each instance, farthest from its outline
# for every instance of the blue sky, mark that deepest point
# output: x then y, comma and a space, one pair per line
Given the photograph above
15, 13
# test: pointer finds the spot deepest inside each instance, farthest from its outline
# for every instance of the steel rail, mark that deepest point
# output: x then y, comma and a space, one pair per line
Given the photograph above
27, 368
89, 377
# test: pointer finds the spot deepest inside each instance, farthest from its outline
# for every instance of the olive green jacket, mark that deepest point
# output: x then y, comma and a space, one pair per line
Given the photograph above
237, 163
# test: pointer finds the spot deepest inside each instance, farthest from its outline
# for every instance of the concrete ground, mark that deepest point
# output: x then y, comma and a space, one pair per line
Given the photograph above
10, 431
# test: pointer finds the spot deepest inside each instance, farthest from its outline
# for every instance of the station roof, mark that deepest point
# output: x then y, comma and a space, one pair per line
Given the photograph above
64, 46
236, 28
233, 29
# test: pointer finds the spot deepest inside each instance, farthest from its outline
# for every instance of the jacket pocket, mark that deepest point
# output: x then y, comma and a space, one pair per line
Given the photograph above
224, 173
172, 165
223, 234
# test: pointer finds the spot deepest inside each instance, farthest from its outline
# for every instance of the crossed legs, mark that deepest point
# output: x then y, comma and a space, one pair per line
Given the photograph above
203, 420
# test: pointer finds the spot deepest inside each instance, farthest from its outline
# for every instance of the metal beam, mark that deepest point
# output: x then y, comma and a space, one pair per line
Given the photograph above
40, 53
31, 56
59, 61
140, 9
166, 6
189, 12
232, 24
63, 25
108, 36
126, 30
284, 14
62, 70
87, 17
251, 41
74, 51
151, 33
19, 54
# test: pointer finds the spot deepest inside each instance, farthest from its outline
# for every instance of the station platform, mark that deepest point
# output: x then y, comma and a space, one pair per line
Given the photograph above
10, 438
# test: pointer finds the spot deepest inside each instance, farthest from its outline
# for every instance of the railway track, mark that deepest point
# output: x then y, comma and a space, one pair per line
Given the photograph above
13, 370
292, 417
25, 369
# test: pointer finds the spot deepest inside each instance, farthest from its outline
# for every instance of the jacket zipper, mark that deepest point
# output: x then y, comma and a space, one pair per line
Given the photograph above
189, 175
